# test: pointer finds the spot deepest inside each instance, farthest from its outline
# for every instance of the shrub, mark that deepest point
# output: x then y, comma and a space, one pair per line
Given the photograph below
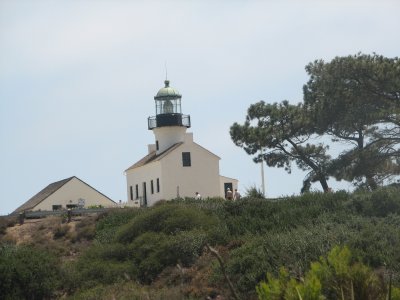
375, 241
99, 265
152, 252
27, 273
169, 219
109, 223
379, 203
85, 230
6, 222
338, 276
254, 193
128, 291
60, 231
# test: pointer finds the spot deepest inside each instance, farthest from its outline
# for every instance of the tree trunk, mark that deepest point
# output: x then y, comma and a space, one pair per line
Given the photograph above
371, 182
313, 166
323, 183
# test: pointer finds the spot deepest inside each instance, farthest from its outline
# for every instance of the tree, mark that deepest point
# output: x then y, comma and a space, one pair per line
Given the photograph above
356, 100
284, 131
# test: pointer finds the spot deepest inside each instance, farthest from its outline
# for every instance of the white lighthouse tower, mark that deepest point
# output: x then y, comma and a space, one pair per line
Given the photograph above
175, 166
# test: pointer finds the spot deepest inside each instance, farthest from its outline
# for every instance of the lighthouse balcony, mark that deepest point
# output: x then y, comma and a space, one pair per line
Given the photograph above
163, 120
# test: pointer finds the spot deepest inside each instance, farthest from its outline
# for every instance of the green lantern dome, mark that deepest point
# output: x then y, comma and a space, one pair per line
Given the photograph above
167, 92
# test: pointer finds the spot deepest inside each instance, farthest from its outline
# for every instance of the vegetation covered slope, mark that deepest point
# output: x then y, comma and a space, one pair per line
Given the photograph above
161, 253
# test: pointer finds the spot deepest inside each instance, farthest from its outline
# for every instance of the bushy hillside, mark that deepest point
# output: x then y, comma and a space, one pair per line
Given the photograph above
161, 253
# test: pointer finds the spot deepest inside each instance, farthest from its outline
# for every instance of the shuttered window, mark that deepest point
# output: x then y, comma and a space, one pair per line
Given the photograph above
186, 161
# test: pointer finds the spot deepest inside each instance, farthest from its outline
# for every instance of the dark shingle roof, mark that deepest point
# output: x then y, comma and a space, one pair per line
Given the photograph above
43, 194
152, 156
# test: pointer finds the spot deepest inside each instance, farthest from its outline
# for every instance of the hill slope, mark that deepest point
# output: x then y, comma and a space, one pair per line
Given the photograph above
160, 253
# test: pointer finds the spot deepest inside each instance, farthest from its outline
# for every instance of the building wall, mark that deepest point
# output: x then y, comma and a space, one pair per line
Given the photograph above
70, 193
202, 176
137, 176
168, 136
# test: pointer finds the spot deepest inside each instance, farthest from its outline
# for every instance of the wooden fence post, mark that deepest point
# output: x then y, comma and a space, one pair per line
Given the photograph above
21, 218
69, 215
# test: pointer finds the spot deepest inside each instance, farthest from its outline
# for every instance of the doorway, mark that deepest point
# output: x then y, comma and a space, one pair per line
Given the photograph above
226, 186
144, 195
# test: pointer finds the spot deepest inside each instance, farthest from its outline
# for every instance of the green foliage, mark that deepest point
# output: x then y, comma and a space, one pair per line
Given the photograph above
337, 276
281, 134
381, 203
254, 236
145, 243
355, 99
352, 99
254, 193
296, 231
257, 216
100, 264
169, 219
152, 253
27, 273
128, 291
110, 222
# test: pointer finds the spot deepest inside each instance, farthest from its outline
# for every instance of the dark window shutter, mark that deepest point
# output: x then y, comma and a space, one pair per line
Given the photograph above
186, 160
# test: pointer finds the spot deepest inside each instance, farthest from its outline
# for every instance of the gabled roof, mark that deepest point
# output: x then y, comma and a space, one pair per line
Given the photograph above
43, 194
47, 191
152, 156
207, 150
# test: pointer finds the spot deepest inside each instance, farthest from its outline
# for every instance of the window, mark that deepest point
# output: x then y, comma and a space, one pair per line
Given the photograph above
137, 191
186, 159
157, 147
152, 186
57, 207
131, 192
158, 185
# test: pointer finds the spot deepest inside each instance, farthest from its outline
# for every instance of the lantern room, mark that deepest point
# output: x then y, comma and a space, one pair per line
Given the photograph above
168, 109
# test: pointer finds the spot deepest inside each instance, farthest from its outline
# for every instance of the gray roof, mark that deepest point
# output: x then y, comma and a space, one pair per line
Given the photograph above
43, 194
152, 156
46, 192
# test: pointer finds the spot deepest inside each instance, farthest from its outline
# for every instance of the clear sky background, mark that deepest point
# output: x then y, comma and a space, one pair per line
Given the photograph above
77, 79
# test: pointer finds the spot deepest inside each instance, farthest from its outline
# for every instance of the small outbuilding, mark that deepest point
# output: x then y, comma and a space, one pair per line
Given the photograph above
71, 192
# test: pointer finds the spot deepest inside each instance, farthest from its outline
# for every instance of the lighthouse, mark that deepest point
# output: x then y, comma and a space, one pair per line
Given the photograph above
175, 166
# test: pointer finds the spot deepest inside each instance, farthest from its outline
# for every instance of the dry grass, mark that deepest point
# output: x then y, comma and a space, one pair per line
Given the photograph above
53, 234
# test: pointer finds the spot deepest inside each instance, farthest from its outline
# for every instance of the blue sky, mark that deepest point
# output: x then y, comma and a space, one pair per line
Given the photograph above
77, 79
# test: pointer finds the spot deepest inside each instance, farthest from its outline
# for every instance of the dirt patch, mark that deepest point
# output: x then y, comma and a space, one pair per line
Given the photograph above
52, 233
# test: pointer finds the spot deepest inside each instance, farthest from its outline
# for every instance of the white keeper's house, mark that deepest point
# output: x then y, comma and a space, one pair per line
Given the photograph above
175, 165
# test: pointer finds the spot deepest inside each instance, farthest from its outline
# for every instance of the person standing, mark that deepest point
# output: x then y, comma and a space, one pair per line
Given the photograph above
236, 195
198, 196
229, 194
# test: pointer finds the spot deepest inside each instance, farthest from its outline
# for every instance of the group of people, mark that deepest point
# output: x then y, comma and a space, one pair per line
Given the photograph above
232, 195
229, 195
